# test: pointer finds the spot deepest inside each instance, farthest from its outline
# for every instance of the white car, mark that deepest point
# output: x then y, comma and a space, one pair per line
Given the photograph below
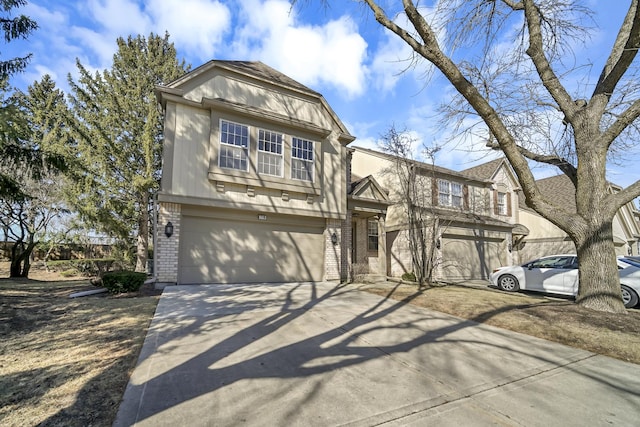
558, 274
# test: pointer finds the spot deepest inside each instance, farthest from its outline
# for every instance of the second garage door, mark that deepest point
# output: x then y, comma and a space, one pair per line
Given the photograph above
469, 258
236, 251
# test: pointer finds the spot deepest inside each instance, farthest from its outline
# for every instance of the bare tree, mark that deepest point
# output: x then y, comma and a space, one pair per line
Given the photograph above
534, 107
423, 226
27, 219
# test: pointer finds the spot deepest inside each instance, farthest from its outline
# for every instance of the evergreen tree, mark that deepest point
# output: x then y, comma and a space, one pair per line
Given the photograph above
14, 28
34, 200
118, 132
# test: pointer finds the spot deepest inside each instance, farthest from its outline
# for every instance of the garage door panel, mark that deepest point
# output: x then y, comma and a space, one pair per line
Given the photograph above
464, 258
221, 251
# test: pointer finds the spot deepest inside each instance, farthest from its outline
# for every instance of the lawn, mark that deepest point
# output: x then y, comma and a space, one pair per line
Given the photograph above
66, 362
553, 319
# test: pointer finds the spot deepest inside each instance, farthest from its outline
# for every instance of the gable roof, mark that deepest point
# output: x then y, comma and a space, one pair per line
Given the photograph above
425, 166
255, 70
558, 188
485, 170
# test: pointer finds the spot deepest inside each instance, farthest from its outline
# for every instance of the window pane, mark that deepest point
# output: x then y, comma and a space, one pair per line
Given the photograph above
502, 203
302, 159
372, 232
234, 143
269, 153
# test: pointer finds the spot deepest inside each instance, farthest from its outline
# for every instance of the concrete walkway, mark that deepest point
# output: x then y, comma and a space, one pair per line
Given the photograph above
325, 355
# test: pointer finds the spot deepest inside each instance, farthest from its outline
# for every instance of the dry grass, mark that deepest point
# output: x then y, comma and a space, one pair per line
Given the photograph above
66, 362
552, 319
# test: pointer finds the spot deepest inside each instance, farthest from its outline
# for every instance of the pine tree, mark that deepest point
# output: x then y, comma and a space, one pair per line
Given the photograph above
118, 132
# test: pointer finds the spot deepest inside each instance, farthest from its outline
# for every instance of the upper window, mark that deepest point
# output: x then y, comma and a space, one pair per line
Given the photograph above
302, 159
234, 145
372, 233
502, 203
269, 153
450, 194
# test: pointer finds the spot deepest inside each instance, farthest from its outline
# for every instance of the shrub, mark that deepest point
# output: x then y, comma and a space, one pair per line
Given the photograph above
410, 277
123, 281
86, 267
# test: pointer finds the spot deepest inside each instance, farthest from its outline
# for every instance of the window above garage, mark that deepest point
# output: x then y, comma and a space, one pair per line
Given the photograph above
257, 154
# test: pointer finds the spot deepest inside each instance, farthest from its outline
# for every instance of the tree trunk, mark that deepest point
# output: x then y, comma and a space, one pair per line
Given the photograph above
142, 246
20, 257
599, 278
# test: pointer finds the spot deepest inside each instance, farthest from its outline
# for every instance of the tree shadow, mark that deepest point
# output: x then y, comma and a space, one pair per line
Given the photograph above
263, 336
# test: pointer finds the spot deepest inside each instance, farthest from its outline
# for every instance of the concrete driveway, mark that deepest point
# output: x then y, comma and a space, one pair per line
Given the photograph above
324, 354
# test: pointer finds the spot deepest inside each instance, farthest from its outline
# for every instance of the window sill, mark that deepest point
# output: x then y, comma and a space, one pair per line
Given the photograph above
266, 181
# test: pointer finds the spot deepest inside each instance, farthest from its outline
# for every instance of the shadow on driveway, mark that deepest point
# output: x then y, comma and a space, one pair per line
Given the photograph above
326, 354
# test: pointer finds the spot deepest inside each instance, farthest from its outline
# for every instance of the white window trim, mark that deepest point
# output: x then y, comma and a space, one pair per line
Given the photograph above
281, 155
449, 194
313, 162
247, 149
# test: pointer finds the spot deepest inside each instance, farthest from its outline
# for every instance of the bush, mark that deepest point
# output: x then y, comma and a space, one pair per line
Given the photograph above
410, 277
123, 281
86, 267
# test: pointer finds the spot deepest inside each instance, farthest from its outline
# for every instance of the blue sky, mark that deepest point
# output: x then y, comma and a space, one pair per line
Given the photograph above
339, 51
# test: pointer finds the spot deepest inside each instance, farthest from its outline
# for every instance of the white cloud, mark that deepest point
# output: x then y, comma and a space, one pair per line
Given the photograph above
119, 17
197, 27
332, 54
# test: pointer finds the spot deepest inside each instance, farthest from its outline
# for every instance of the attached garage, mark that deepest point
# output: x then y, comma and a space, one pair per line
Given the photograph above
244, 249
466, 257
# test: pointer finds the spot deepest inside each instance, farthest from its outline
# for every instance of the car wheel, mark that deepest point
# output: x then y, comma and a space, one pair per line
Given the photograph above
629, 297
508, 283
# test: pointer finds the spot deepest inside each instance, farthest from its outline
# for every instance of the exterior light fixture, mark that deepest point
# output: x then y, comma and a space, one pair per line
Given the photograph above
510, 247
438, 244
334, 238
168, 229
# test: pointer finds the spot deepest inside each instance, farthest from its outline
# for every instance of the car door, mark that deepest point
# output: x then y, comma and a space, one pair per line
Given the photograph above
570, 277
547, 274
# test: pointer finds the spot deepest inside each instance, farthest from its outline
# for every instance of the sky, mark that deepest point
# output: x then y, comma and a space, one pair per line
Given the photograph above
337, 49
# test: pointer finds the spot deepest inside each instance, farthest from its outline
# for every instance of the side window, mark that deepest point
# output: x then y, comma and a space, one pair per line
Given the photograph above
302, 159
372, 233
555, 262
451, 194
234, 145
502, 203
269, 153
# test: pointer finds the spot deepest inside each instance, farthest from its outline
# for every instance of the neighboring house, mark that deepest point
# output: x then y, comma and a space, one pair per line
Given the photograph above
472, 215
254, 179
547, 239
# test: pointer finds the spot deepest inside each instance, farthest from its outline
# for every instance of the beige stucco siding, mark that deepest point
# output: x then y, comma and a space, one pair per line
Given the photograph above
259, 95
195, 147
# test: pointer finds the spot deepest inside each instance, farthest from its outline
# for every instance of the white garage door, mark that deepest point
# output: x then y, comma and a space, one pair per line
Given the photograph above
467, 258
232, 251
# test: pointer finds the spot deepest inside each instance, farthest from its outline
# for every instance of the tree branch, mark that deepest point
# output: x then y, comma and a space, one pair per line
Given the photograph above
536, 52
622, 122
431, 51
564, 165
623, 53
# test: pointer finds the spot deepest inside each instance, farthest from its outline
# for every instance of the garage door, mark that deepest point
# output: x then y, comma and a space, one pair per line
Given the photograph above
468, 258
226, 251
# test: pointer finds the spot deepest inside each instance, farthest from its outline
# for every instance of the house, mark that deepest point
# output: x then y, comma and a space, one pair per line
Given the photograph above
259, 185
255, 183
546, 239
470, 216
